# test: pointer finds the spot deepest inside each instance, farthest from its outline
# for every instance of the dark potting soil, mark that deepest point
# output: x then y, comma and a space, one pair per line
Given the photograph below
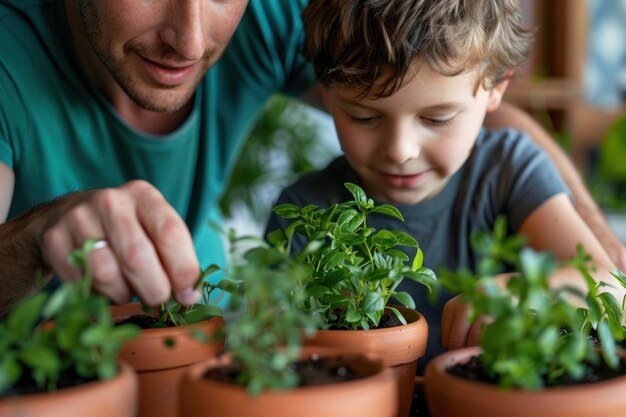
27, 385
144, 321
312, 372
387, 320
475, 371
593, 336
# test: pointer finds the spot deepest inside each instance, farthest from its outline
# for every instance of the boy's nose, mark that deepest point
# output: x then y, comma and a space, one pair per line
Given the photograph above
185, 31
402, 144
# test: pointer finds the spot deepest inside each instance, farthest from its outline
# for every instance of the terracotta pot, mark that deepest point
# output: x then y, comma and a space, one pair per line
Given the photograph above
449, 395
160, 366
116, 397
399, 347
371, 396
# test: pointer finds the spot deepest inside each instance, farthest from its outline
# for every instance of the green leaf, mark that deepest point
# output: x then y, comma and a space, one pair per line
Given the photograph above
24, 317
56, 302
291, 229
201, 312
125, 332
608, 345
287, 211
385, 236
316, 291
351, 239
353, 316
357, 193
327, 215
95, 335
404, 239
620, 277
276, 237
398, 314
204, 274
334, 299
405, 299
418, 260
349, 220
377, 274
398, 254
227, 285
373, 302
308, 209
107, 369
388, 210
42, 358
332, 259
424, 276
10, 372
548, 341
612, 309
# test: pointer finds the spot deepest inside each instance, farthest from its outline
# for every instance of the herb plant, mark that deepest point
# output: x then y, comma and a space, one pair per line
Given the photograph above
536, 335
604, 316
356, 269
264, 340
81, 340
172, 313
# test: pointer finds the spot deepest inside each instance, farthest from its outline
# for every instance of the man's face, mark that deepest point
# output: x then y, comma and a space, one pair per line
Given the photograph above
158, 51
406, 147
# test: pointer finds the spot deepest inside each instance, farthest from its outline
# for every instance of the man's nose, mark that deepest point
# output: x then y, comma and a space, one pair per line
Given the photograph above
185, 31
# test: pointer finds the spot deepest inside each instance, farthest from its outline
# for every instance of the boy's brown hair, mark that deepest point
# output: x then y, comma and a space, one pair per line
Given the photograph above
370, 45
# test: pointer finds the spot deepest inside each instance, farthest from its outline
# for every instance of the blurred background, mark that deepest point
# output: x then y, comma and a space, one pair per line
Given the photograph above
574, 84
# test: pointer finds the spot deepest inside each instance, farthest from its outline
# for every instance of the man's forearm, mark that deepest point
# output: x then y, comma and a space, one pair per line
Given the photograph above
20, 259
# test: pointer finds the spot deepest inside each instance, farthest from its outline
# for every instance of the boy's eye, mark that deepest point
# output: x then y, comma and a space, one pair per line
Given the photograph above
368, 119
437, 122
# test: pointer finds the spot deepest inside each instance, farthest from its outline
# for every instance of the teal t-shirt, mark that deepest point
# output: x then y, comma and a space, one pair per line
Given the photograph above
60, 135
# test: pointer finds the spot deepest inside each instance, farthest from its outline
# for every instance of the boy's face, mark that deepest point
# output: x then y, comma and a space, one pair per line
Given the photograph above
158, 51
406, 147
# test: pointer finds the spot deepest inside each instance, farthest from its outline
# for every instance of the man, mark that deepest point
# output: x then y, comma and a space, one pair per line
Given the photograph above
120, 121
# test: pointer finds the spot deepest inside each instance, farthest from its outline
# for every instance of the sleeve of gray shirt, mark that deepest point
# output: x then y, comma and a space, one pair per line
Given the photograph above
526, 176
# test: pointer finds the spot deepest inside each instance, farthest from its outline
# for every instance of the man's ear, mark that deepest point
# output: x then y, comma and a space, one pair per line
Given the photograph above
496, 94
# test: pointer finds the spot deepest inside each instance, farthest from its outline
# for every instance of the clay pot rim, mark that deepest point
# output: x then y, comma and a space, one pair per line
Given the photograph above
161, 331
195, 373
441, 363
125, 373
416, 322
216, 321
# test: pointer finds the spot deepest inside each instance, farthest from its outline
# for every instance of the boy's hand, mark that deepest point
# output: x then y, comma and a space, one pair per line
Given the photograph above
456, 330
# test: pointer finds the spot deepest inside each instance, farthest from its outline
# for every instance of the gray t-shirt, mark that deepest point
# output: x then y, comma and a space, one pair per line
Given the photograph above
506, 174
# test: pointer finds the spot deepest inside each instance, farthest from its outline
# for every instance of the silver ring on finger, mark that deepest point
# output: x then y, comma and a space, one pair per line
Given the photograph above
100, 244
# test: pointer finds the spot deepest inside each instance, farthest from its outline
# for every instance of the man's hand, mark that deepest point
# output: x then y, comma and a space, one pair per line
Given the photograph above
456, 330
149, 250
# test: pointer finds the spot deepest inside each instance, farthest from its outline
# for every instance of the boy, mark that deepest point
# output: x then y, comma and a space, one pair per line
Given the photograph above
408, 84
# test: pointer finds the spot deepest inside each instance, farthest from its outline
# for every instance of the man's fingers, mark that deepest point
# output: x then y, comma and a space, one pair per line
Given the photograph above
107, 276
174, 245
149, 253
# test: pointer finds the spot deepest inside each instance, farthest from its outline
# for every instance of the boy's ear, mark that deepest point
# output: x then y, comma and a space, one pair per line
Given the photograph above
324, 94
496, 94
